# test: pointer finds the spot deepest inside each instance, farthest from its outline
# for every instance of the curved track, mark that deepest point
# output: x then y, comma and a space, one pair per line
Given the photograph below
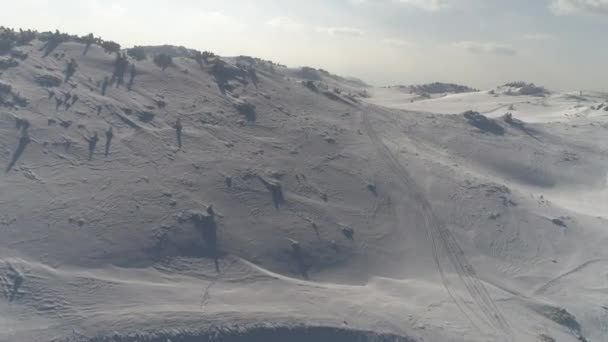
541, 290
443, 241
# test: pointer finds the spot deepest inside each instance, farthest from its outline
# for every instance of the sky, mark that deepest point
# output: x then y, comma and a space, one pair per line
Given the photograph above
560, 44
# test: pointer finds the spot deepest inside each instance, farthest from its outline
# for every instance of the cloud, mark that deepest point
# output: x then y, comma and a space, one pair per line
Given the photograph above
427, 5
539, 36
566, 7
341, 31
486, 47
285, 23
395, 42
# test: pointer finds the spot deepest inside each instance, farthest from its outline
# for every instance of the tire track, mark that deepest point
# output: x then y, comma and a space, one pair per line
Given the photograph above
541, 290
444, 241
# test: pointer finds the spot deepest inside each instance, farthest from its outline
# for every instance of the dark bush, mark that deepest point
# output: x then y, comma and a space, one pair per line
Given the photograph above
517, 84
246, 60
163, 60
20, 100
311, 86
25, 37
6, 44
120, 67
52, 41
7, 40
145, 116
532, 90
88, 40
6, 63
48, 81
137, 52
110, 46
308, 73
439, 88
19, 54
207, 55
70, 69
197, 56
5, 88
483, 123
247, 110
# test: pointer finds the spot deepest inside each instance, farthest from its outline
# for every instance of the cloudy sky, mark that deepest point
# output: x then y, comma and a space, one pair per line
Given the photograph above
561, 44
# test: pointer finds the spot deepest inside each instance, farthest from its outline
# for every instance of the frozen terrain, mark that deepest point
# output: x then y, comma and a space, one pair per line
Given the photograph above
300, 206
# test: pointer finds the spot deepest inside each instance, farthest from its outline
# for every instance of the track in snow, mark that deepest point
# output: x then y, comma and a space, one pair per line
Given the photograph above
444, 241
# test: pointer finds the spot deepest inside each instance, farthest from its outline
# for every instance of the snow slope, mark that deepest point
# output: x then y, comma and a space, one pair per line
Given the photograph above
411, 225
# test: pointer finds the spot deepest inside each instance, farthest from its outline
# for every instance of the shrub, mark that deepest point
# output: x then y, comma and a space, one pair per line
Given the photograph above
48, 81
483, 123
120, 67
532, 90
137, 52
110, 46
52, 41
25, 37
163, 60
5, 88
198, 57
88, 40
19, 54
311, 86
20, 100
6, 63
246, 60
308, 73
207, 55
517, 84
7, 40
247, 110
70, 68
6, 44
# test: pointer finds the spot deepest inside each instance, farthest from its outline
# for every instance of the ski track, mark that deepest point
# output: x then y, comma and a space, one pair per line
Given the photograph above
444, 241
541, 290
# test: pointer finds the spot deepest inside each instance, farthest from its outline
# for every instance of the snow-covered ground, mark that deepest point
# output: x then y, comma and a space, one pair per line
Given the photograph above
334, 216
553, 107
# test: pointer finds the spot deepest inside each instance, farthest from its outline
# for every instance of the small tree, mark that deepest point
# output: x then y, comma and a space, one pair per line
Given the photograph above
88, 40
110, 46
163, 60
25, 37
206, 55
7, 40
137, 52
198, 57
70, 69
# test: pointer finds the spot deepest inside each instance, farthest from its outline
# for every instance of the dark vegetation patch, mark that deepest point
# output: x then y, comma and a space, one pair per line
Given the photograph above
138, 53
163, 60
438, 88
145, 116
247, 110
10, 98
484, 124
258, 333
524, 88
562, 317
8, 62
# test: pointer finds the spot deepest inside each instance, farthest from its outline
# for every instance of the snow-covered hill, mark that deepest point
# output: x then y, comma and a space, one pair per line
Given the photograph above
296, 207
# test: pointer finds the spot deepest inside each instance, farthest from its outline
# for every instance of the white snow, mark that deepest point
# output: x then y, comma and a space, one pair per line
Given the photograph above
460, 234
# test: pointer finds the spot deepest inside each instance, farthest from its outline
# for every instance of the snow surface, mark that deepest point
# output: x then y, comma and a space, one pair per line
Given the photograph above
458, 233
